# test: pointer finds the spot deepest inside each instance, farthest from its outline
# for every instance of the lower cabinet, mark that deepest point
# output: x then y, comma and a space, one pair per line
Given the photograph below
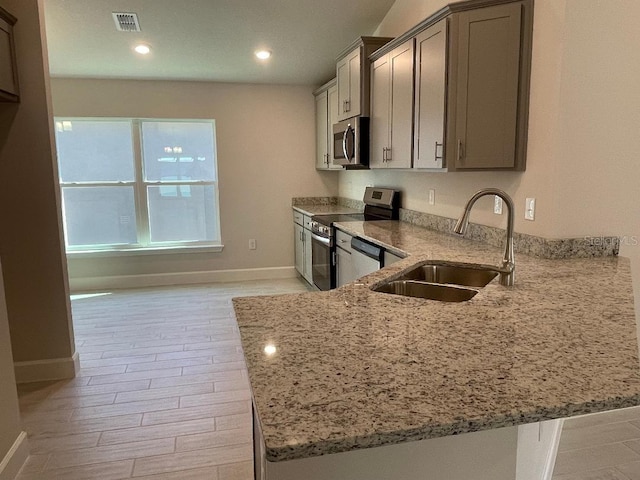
298, 231
302, 242
306, 235
345, 272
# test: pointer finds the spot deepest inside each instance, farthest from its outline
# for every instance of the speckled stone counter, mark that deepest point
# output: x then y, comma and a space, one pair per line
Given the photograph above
323, 209
354, 368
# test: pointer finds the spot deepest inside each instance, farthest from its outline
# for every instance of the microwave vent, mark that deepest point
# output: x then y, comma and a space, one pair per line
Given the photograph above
126, 22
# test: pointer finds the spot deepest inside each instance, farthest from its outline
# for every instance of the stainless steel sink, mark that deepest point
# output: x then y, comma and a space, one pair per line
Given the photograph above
430, 291
457, 274
440, 280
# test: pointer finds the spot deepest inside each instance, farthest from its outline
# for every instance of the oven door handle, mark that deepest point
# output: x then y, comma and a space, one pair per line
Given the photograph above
318, 238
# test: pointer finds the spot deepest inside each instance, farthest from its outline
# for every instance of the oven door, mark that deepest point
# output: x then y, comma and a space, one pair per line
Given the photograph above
322, 265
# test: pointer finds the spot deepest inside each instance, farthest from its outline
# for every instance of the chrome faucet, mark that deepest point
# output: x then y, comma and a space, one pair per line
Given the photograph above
507, 269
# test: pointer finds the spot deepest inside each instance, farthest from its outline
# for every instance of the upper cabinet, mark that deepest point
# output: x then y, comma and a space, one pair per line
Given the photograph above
484, 96
392, 108
471, 73
8, 71
430, 96
326, 98
352, 71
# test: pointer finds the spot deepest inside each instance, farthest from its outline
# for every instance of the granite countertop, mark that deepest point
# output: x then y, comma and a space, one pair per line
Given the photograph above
355, 368
324, 209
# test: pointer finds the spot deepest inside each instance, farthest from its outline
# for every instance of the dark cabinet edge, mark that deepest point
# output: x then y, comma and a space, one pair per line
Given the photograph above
7, 97
7, 17
8, 22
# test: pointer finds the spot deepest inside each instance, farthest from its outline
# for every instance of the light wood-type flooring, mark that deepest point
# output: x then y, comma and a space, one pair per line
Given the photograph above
162, 393
603, 446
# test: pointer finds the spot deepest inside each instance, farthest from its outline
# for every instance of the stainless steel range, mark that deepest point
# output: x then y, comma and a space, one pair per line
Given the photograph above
380, 204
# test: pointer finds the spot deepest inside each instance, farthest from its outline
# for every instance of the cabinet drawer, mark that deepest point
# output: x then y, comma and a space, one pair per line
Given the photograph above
298, 217
343, 240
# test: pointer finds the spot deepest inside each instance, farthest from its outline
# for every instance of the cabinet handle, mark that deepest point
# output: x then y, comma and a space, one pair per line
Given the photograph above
327, 155
389, 158
384, 154
436, 152
347, 106
460, 150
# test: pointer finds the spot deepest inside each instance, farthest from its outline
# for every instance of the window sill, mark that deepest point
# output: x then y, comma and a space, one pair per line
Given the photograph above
126, 252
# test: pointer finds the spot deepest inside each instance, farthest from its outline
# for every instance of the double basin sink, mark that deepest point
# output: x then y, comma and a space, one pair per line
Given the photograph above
440, 280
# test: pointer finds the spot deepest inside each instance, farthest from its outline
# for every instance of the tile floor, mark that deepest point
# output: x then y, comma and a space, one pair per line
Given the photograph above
603, 446
162, 394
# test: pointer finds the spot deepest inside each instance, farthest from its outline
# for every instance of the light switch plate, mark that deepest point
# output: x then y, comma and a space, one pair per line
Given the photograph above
530, 209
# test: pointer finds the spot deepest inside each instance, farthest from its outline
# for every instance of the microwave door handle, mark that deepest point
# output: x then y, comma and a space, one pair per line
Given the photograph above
344, 144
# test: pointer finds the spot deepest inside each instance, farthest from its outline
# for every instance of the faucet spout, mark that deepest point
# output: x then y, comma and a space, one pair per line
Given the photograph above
507, 269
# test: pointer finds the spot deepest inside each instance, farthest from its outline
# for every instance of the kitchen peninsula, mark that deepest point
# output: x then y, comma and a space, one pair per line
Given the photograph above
450, 389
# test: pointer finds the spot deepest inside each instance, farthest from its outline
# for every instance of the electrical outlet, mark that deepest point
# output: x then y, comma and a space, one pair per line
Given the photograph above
497, 205
252, 244
432, 197
530, 209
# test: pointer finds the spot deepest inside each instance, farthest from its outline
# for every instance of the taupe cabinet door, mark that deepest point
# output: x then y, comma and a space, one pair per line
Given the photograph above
332, 117
299, 248
348, 72
486, 87
430, 88
322, 143
326, 116
391, 109
380, 100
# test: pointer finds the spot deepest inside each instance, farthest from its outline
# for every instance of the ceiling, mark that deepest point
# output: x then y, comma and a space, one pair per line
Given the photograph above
208, 40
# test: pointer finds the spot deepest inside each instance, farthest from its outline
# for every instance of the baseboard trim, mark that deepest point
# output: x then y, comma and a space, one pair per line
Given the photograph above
550, 461
84, 284
50, 369
15, 458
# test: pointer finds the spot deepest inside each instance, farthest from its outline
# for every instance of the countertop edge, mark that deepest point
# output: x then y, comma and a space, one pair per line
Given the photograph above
317, 449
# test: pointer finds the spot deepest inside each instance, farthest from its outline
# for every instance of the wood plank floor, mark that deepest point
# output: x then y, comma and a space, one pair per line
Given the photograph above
162, 393
602, 446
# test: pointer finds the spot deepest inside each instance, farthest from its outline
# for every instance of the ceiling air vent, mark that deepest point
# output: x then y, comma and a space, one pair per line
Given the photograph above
126, 22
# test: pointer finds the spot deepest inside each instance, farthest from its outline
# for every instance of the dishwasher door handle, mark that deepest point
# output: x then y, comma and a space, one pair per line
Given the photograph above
368, 249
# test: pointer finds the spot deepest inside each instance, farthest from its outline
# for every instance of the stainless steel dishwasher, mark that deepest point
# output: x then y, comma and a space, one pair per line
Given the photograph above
366, 257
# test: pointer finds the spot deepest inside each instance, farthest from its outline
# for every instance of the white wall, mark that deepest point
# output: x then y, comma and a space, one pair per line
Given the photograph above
35, 275
453, 189
10, 425
266, 148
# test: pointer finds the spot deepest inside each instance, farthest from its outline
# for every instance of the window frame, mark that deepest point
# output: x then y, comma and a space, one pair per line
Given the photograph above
143, 246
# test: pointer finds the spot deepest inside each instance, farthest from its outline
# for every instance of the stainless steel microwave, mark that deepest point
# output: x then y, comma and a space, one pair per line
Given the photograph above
351, 143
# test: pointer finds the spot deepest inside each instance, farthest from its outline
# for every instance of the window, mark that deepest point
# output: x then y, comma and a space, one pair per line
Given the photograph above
138, 184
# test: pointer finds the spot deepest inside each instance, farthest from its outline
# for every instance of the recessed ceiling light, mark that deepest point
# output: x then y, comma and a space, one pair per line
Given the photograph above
263, 54
142, 49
